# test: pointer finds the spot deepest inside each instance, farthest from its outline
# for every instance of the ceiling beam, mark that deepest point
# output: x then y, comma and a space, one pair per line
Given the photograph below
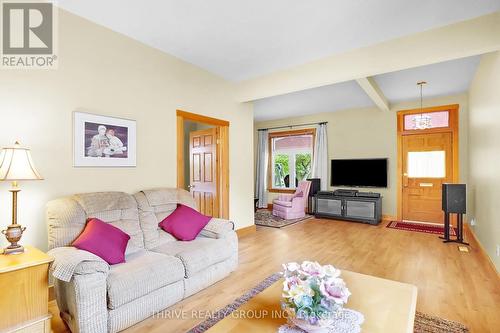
459, 40
373, 91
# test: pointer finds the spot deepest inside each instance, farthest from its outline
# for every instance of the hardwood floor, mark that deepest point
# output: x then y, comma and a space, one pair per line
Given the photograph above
459, 286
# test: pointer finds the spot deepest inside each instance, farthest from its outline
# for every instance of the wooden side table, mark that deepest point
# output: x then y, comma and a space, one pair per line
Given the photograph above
24, 292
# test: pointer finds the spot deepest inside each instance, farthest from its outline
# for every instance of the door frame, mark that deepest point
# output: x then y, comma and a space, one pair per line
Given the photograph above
222, 158
452, 128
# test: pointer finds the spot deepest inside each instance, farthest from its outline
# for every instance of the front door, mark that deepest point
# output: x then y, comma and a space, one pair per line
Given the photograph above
202, 166
427, 164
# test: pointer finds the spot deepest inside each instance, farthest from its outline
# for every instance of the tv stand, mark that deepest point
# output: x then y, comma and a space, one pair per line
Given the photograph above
349, 205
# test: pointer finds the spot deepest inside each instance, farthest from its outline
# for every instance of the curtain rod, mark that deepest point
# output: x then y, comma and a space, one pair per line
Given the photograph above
291, 126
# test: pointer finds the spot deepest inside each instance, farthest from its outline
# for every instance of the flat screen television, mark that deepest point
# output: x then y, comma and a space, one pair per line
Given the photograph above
359, 172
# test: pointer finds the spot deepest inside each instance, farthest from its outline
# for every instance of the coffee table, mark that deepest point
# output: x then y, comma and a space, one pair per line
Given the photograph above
388, 306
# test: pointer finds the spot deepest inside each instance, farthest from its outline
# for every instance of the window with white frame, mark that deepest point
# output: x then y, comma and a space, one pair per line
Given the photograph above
291, 156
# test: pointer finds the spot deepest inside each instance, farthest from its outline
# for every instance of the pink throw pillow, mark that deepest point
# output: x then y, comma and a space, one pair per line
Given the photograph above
184, 223
103, 240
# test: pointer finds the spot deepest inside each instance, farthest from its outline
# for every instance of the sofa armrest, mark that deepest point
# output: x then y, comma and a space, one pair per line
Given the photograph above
91, 267
82, 302
80, 288
298, 201
217, 228
223, 231
69, 261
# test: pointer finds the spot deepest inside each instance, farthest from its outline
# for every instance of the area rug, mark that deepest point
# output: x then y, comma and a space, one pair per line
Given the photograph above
424, 323
429, 228
265, 218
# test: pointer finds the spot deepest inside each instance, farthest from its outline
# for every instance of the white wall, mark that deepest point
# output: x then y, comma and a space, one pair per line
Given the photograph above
107, 73
484, 158
371, 133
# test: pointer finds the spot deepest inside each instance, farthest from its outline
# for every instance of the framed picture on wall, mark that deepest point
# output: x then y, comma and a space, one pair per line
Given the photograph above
101, 141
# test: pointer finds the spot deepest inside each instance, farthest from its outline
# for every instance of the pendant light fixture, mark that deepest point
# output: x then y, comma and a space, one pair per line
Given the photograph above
422, 121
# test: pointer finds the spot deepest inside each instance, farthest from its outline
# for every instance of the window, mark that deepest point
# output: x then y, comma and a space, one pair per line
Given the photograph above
426, 164
290, 158
426, 120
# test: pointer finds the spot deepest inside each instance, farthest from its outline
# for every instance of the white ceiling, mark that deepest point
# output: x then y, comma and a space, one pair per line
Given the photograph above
339, 96
240, 39
446, 78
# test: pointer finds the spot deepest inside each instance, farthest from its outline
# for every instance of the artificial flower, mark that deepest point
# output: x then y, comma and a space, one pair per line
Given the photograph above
312, 292
312, 268
303, 301
334, 289
291, 267
298, 290
331, 271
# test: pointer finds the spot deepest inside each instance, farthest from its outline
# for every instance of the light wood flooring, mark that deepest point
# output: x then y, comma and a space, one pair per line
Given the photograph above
459, 286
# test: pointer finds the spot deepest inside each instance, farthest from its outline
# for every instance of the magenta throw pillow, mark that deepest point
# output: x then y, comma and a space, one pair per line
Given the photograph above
184, 223
103, 240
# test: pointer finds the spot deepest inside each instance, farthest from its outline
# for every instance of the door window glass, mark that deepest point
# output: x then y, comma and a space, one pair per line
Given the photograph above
426, 164
426, 120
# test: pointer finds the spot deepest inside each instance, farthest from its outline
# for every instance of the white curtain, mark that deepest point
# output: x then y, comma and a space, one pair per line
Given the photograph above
262, 162
320, 161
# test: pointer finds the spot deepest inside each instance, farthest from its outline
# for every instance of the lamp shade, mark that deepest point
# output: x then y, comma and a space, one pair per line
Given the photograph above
16, 164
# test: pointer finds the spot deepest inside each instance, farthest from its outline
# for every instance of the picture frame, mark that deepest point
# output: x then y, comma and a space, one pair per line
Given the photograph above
103, 141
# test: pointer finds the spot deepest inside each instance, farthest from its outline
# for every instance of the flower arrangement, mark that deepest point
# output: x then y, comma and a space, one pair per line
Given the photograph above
313, 294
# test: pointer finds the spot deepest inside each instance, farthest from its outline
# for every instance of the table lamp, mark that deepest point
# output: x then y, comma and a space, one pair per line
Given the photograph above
16, 165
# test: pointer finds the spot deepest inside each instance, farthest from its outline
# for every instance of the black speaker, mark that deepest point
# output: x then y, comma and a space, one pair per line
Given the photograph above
454, 198
315, 186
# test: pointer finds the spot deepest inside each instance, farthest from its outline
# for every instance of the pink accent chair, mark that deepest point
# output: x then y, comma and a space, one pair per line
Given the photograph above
292, 206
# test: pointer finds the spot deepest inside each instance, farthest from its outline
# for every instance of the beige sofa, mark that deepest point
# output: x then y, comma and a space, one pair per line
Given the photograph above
159, 271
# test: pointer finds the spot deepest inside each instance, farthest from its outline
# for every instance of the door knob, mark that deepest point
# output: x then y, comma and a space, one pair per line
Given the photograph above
191, 186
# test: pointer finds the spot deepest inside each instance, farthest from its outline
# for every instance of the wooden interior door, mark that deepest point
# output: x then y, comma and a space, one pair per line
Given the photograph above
203, 170
427, 164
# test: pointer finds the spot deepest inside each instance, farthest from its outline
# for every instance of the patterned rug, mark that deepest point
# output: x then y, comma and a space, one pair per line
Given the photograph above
265, 218
429, 228
424, 323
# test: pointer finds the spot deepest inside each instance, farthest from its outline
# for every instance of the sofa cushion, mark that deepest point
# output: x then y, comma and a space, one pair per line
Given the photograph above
197, 254
103, 240
184, 223
142, 273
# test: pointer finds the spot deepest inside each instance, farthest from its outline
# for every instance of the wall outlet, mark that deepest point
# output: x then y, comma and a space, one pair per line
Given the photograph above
498, 250
473, 222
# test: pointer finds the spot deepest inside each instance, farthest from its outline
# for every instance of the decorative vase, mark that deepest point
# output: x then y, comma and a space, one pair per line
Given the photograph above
320, 327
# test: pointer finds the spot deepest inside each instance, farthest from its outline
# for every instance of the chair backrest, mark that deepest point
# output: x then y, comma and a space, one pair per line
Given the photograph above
304, 187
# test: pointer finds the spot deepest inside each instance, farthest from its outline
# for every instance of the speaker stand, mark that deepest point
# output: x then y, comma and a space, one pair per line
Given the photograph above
460, 229
446, 228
